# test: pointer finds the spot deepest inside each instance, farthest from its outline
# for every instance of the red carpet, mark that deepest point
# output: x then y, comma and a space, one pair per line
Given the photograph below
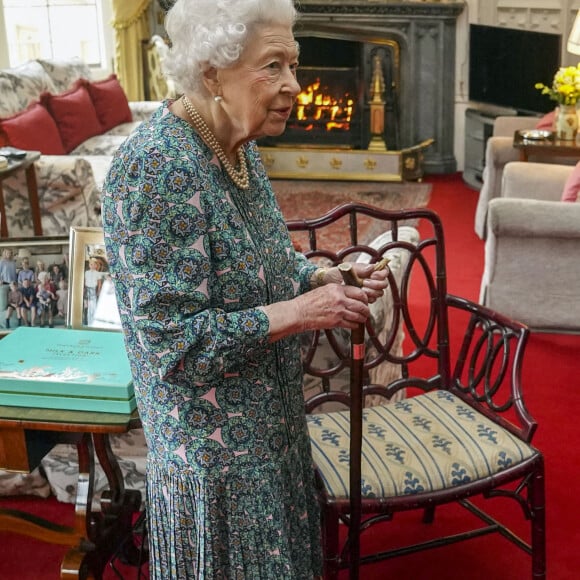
550, 383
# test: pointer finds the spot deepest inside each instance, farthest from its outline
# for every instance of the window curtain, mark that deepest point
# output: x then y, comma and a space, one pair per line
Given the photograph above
131, 24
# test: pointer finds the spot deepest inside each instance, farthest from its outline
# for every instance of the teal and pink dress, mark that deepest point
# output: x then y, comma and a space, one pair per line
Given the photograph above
230, 487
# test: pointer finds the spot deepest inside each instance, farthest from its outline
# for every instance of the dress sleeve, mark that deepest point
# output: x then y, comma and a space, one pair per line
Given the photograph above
304, 270
159, 256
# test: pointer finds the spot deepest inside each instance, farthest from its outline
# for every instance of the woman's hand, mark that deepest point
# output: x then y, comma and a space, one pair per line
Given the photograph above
374, 281
330, 306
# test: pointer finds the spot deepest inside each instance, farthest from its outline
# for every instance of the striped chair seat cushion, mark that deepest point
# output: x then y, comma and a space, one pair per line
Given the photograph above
426, 443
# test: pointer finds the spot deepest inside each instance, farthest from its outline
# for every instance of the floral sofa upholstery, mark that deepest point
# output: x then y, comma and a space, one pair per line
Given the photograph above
69, 182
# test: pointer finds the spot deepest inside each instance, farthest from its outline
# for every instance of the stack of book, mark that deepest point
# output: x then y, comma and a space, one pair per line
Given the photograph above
51, 368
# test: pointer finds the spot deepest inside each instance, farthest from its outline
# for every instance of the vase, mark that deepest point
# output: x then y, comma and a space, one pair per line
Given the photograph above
566, 123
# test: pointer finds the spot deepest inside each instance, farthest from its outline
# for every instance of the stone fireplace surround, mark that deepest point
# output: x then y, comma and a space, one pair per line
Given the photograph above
425, 32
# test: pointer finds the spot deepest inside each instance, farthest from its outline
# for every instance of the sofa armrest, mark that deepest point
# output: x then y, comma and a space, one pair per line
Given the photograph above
498, 152
530, 218
540, 181
68, 193
142, 110
506, 125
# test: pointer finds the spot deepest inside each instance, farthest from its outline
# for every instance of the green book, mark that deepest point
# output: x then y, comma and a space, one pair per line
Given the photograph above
66, 369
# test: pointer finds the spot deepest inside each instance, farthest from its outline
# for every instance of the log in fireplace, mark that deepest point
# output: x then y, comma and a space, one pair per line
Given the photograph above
339, 80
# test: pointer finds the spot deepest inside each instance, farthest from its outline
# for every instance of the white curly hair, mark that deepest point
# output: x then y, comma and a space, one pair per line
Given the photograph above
214, 33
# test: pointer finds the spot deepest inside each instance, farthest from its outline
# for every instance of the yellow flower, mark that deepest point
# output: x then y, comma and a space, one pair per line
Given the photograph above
565, 89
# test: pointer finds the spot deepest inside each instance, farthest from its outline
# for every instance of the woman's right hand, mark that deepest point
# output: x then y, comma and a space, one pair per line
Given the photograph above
330, 306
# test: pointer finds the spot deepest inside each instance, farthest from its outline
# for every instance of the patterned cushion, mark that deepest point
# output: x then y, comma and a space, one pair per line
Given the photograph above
105, 144
124, 129
572, 186
429, 442
381, 316
22, 85
64, 73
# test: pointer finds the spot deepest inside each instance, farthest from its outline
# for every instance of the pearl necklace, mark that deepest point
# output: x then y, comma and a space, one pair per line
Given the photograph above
239, 176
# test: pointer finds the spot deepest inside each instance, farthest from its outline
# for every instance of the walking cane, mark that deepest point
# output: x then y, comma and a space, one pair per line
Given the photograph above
357, 352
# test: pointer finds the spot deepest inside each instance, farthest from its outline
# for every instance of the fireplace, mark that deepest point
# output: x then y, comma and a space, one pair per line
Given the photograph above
327, 110
339, 79
388, 69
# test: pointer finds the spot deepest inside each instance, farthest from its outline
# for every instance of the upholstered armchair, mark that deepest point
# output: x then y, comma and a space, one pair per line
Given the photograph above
499, 151
532, 265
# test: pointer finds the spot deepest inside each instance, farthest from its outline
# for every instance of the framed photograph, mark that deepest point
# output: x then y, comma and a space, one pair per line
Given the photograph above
92, 300
38, 259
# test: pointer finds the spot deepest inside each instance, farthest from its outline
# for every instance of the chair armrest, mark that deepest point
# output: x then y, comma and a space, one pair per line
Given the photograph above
506, 125
142, 110
540, 181
530, 218
486, 368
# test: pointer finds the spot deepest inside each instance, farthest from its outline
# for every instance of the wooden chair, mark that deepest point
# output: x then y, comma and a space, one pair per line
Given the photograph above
463, 429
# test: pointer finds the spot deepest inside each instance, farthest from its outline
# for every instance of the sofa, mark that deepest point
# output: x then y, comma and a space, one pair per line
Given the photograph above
498, 152
532, 270
77, 122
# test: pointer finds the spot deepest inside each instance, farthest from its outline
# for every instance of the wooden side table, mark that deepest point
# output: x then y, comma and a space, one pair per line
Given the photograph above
14, 166
548, 147
25, 435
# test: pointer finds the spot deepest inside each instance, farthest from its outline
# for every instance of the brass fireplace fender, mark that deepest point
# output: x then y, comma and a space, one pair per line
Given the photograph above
345, 164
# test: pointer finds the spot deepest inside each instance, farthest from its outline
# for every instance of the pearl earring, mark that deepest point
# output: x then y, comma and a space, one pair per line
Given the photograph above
218, 99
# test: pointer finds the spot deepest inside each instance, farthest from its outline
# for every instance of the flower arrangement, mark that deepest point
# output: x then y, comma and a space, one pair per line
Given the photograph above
565, 89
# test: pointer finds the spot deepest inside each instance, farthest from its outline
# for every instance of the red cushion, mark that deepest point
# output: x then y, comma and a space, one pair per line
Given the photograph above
572, 186
547, 121
33, 129
74, 114
110, 102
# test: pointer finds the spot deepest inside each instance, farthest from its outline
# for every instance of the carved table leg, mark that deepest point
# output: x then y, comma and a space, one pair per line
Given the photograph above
103, 531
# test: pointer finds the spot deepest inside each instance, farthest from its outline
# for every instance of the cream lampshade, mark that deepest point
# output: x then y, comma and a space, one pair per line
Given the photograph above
574, 38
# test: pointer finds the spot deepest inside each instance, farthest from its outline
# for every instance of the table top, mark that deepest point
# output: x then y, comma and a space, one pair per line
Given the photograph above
548, 145
69, 421
15, 164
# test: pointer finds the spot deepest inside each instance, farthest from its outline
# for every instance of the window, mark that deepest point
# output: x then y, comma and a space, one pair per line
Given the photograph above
55, 29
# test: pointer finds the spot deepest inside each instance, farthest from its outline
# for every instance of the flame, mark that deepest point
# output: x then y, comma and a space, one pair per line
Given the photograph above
312, 104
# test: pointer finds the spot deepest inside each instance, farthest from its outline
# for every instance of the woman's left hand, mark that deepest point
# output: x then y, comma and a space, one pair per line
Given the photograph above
374, 281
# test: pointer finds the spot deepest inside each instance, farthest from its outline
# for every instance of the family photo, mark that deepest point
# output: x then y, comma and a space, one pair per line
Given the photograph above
34, 283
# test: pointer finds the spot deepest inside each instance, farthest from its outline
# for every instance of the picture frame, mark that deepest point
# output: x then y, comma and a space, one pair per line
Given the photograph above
92, 300
50, 250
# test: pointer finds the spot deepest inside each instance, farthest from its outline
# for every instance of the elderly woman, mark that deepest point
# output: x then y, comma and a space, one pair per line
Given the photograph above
212, 296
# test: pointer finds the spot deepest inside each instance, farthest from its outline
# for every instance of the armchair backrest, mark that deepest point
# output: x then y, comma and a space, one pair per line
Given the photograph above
506, 125
486, 348
358, 232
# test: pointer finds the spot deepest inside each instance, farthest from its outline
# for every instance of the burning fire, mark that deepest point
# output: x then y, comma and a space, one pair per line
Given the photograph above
312, 104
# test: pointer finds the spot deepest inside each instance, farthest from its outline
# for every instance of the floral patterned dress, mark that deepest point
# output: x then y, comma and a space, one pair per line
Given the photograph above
229, 477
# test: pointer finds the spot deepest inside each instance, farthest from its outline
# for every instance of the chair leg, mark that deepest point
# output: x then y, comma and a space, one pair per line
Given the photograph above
429, 515
330, 543
537, 501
